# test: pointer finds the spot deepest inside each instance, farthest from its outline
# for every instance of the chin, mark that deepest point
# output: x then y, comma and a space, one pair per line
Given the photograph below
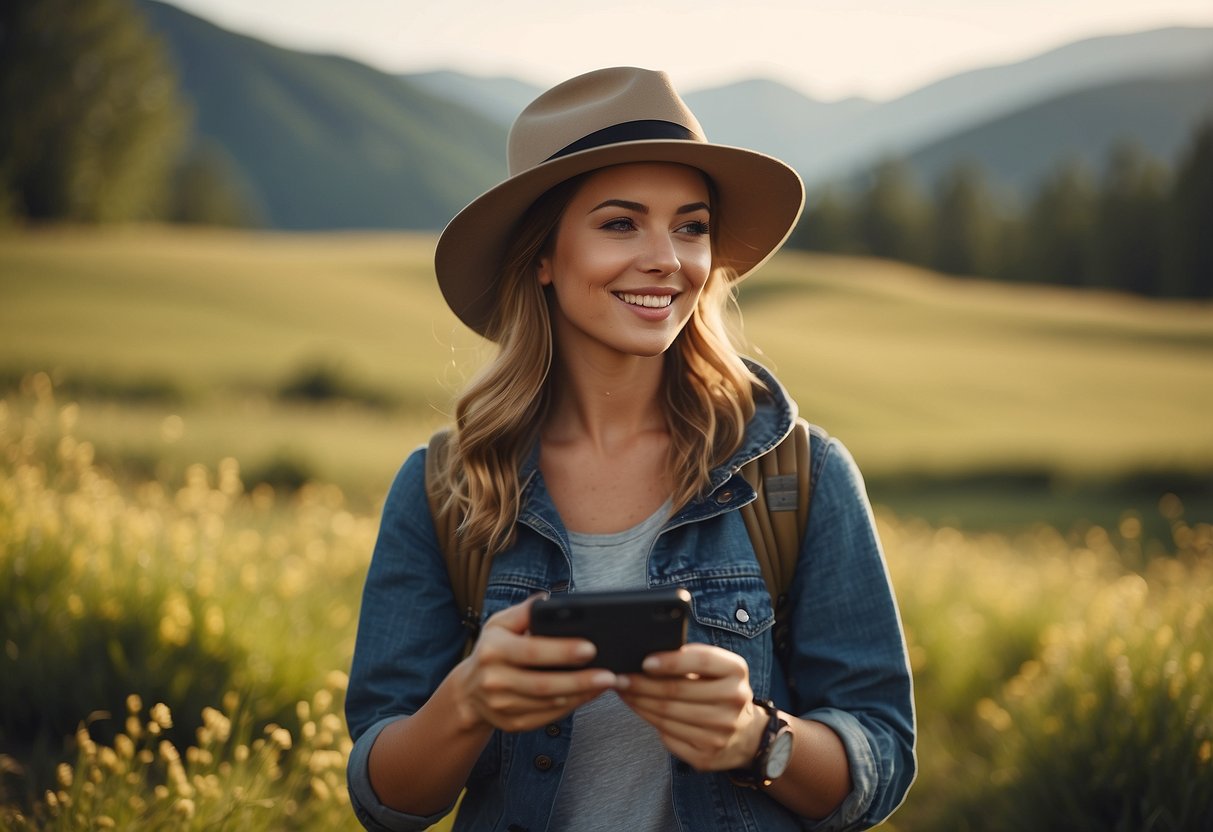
647, 350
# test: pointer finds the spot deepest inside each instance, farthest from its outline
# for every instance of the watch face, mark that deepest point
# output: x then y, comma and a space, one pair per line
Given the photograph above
779, 755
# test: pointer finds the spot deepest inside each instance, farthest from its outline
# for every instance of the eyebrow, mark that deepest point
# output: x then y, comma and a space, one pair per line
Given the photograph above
690, 207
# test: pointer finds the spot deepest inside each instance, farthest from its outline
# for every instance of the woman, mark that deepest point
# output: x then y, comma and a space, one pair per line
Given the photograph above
600, 450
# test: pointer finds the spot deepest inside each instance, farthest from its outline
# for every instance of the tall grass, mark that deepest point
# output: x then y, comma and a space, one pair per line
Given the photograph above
173, 656
188, 597
1061, 683
232, 776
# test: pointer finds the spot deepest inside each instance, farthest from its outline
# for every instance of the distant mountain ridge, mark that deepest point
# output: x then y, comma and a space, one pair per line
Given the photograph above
325, 142
499, 98
1018, 150
767, 115
830, 140
966, 100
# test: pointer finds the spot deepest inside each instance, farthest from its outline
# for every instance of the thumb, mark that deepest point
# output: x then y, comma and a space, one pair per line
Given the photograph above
516, 619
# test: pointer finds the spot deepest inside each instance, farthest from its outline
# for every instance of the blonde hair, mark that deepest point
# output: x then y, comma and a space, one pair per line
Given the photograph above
708, 390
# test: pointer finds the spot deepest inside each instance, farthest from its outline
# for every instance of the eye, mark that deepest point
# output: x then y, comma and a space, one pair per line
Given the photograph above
618, 224
697, 228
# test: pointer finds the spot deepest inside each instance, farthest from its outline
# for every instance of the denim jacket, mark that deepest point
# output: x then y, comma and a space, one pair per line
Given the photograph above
847, 667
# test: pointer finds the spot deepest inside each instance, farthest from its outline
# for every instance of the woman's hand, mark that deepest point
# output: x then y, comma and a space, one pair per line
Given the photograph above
498, 684
699, 700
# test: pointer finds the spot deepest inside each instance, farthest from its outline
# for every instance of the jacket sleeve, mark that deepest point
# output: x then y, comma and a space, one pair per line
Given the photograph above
409, 636
849, 667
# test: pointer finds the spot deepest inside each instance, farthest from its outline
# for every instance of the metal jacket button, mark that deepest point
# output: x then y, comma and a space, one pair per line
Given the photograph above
724, 496
543, 762
742, 615
552, 730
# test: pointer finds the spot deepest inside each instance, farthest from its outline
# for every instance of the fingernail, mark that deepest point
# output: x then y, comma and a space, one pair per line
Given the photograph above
585, 650
651, 663
604, 679
622, 683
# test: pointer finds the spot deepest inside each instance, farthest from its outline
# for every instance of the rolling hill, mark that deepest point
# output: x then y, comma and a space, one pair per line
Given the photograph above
325, 142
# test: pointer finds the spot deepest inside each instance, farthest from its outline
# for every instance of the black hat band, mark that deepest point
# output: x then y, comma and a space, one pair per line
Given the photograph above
628, 131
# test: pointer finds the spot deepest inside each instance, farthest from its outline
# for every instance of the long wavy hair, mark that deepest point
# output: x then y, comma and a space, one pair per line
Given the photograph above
708, 390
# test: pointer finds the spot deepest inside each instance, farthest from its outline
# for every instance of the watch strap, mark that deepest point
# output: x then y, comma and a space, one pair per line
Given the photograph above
755, 775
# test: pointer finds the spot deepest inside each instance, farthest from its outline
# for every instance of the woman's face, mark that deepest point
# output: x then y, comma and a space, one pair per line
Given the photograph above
630, 258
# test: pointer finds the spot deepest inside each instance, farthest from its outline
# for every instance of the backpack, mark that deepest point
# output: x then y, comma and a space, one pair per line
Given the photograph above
775, 521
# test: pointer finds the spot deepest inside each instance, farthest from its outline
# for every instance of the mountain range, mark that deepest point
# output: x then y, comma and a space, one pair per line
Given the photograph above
322, 141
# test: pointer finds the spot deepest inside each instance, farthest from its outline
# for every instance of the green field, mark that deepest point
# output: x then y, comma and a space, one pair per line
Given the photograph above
965, 401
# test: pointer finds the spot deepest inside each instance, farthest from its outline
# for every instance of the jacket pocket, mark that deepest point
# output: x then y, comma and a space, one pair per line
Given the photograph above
735, 613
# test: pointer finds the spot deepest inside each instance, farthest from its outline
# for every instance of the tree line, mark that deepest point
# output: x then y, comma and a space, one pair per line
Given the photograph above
95, 127
1137, 226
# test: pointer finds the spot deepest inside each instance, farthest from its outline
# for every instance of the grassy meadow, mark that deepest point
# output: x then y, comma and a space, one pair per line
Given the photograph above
185, 340
184, 528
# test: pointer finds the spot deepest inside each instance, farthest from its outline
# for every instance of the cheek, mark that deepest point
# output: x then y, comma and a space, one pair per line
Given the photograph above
593, 267
698, 265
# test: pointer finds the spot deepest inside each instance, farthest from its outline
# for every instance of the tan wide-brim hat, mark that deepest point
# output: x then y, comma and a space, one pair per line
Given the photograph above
612, 117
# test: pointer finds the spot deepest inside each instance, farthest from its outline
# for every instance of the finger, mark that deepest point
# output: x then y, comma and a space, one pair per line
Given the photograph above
513, 710
511, 704
524, 719
702, 660
711, 716
558, 653
544, 686
507, 647
709, 741
691, 742
693, 736
702, 725
687, 689
696, 756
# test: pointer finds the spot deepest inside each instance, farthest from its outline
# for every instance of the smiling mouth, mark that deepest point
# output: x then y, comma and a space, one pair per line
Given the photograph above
649, 301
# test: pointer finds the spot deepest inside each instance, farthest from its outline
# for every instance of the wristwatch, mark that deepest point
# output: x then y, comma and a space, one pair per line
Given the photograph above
774, 751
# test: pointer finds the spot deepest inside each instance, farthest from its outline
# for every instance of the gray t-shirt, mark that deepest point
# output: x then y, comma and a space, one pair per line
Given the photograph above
618, 772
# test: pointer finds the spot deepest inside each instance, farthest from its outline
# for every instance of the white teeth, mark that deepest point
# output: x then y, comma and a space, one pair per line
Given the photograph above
651, 301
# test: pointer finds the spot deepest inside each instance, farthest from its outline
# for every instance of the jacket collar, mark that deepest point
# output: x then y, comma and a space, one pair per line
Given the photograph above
774, 416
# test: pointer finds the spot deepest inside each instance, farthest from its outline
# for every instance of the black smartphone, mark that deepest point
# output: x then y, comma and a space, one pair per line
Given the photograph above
624, 626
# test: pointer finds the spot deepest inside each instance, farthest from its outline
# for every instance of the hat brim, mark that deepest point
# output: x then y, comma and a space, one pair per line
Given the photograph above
760, 200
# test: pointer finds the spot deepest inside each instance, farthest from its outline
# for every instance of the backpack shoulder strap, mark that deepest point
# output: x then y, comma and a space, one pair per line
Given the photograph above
468, 569
777, 519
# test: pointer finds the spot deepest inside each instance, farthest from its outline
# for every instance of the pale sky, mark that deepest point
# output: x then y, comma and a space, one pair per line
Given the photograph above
826, 48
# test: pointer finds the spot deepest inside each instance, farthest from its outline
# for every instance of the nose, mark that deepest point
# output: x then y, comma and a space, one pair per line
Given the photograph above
660, 258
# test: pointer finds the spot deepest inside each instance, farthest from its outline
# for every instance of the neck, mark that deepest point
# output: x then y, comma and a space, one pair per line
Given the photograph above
606, 401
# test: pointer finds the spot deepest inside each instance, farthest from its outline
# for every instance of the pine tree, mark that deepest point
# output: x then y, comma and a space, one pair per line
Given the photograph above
92, 123
209, 190
892, 217
1190, 263
828, 223
1060, 227
1129, 223
965, 238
